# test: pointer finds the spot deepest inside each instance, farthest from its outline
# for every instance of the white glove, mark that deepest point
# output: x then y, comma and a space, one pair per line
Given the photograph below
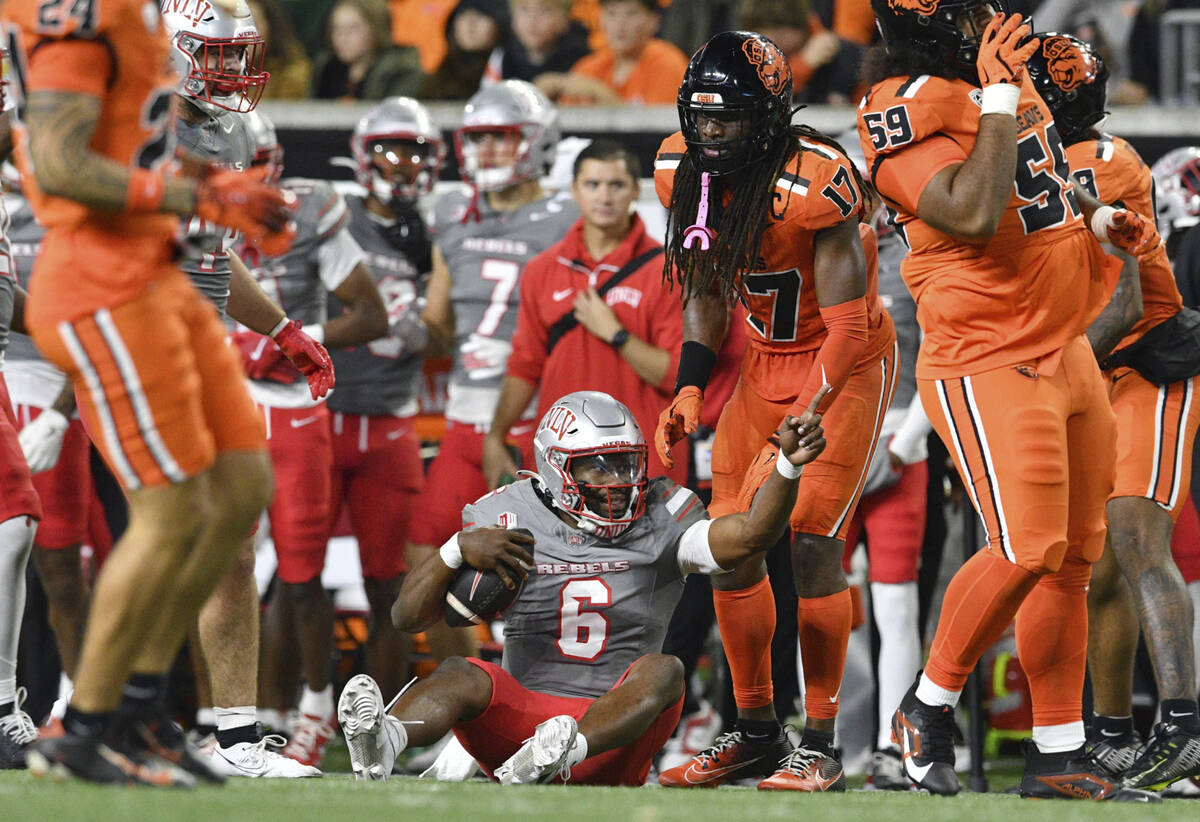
42, 440
406, 325
484, 357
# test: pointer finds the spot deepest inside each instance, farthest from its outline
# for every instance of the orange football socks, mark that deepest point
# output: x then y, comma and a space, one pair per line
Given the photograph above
1052, 630
824, 624
747, 622
980, 602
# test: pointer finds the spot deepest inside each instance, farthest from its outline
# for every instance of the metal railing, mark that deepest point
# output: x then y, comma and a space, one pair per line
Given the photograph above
1179, 57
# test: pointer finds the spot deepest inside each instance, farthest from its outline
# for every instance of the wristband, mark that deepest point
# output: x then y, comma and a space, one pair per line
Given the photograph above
451, 554
279, 326
785, 467
145, 191
696, 362
1101, 219
1000, 98
316, 331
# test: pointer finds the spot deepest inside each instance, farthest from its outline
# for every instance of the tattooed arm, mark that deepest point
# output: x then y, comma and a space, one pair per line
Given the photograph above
61, 126
1122, 312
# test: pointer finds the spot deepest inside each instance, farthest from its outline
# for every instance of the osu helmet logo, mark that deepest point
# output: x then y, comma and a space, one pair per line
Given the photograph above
1069, 67
923, 7
770, 63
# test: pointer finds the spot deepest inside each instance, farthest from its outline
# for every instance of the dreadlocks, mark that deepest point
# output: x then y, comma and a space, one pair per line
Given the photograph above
741, 223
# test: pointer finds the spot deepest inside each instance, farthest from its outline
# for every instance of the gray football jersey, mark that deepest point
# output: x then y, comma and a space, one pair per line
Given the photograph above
224, 140
25, 238
899, 303
485, 259
380, 377
592, 606
293, 279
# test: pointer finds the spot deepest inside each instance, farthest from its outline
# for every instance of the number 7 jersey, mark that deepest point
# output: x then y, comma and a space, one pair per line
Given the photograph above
1017, 296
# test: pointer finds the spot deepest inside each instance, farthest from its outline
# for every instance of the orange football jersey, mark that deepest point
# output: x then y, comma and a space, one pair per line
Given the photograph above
1036, 283
816, 191
1112, 171
115, 50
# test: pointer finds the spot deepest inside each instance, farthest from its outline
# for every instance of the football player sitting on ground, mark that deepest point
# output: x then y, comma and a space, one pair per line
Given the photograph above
584, 694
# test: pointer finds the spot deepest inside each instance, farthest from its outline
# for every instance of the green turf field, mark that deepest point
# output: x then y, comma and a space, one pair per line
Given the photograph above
337, 797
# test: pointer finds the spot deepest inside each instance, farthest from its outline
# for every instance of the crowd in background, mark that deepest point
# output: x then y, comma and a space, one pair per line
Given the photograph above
588, 52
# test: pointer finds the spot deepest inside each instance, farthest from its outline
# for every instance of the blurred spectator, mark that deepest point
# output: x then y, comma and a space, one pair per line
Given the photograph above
625, 324
853, 20
285, 61
422, 25
824, 66
635, 67
361, 63
473, 30
1143, 53
689, 24
1107, 26
544, 38
309, 19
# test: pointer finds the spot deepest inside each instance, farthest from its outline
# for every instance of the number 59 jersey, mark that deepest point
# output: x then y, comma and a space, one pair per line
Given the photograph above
592, 606
1017, 296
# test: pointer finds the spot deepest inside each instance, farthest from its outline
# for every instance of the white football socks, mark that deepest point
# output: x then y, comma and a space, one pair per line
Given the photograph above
16, 541
317, 703
896, 609
1058, 738
931, 693
240, 716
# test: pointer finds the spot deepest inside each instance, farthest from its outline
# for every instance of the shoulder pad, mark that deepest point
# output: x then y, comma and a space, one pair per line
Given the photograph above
670, 154
322, 210
819, 188
904, 110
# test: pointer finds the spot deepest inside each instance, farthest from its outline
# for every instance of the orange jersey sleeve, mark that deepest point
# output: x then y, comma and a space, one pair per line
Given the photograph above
115, 50
1111, 169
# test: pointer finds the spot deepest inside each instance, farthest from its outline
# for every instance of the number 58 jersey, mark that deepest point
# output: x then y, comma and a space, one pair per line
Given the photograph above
1017, 296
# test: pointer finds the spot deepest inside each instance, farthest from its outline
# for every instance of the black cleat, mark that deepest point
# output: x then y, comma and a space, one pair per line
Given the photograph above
1115, 756
17, 731
926, 735
162, 739
730, 758
1073, 775
65, 756
1171, 754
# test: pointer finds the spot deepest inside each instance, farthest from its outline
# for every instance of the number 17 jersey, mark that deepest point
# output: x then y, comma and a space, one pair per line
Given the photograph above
1017, 296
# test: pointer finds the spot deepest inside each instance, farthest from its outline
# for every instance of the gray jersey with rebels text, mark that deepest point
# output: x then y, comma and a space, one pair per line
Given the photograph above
293, 279
380, 377
25, 238
899, 303
221, 139
593, 606
485, 258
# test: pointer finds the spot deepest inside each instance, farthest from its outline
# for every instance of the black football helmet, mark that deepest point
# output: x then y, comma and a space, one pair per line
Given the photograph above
1073, 80
736, 75
936, 26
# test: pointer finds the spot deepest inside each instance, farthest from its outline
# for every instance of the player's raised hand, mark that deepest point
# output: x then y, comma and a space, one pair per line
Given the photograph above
802, 439
1002, 55
679, 419
309, 357
1132, 233
508, 552
243, 201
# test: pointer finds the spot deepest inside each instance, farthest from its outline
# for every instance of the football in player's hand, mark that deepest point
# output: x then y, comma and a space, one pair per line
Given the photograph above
476, 597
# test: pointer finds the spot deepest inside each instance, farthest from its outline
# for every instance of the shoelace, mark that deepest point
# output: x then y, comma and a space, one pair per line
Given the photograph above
939, 736
720, 745
255, 754
798, 761
18, 726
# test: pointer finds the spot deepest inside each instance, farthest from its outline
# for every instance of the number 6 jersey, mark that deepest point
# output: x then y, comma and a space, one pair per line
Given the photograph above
1026, 291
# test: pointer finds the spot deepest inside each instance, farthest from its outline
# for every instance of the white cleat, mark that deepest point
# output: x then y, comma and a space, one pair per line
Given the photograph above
543, 756
255, 760
374, 739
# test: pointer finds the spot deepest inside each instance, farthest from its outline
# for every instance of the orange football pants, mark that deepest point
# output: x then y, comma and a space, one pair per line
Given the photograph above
1156, 428
160, 390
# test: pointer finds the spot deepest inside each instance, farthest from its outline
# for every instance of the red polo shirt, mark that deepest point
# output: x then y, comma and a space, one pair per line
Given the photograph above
583, 362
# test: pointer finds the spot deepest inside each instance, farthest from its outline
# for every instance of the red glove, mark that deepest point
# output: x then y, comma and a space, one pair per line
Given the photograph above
242, 201
1132, 233
680, 418
309, 356
262, 359
999, 60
